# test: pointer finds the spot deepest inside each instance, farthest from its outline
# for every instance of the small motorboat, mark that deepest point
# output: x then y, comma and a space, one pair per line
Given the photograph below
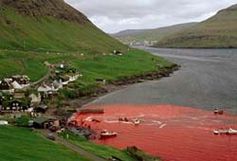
229, 131
220, 132
232, 132
107, 134
136, 122
218, 111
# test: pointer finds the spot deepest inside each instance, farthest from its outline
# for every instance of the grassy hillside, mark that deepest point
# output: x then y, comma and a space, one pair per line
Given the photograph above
24, 145
105, 151
158, 34
219, 31
99, 150
32, 32
109, 67
50, 25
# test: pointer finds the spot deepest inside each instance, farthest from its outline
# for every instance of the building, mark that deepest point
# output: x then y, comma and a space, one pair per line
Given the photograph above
35, 99
5, 85
45, 122
41, 108
21, 79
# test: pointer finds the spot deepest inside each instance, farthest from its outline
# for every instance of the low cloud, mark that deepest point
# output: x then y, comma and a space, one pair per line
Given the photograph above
116, 15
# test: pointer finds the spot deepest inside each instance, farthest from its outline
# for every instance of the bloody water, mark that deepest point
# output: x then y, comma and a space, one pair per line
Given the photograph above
174, 133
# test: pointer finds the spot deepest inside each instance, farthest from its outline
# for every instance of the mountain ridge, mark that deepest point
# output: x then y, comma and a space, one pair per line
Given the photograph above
156, 34
219, 31
50, 25
55, 8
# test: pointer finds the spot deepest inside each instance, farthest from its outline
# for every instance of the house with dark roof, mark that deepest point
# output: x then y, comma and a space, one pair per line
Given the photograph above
45, 122
4, 85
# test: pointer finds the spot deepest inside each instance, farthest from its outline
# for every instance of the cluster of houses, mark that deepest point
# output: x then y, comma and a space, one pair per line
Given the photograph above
15, 96
143, 43
20, 102
17, 82
60, 77
12, 93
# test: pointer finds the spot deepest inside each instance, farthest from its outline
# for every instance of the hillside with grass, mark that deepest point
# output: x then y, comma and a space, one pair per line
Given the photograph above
219, 31
24, 145
50, 25
33, 32
139, 36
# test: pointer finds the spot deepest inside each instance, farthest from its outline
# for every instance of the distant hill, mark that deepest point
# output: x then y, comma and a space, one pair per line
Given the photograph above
219, 31
50, 25
149, 35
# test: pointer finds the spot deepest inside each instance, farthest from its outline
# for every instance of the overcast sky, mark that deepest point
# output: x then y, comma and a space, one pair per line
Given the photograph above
116, 15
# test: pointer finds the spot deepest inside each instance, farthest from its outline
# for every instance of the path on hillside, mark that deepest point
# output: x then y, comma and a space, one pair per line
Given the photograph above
45, 77
73, 147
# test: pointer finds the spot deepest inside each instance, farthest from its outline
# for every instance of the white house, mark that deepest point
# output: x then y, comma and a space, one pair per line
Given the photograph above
2, 123
35, 99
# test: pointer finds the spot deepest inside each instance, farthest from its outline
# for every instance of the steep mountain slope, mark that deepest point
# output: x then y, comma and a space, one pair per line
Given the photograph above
50, 25
33, 32
136, 36
220, 31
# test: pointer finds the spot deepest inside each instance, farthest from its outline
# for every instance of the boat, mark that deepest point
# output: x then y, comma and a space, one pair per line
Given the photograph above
229, 131
136, 122
220, 132
218, 111
232, 132
123, 119
107, 134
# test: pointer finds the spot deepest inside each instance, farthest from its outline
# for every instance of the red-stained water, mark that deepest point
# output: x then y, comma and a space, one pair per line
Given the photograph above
174, 133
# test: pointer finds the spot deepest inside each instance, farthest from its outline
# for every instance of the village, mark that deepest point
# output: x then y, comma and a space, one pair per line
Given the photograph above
25, 103
21, 98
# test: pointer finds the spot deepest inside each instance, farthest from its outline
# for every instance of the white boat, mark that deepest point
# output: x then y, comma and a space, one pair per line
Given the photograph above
107, 134
229, 131
232, 132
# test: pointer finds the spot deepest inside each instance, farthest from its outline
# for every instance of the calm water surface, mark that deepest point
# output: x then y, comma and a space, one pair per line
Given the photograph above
207, 79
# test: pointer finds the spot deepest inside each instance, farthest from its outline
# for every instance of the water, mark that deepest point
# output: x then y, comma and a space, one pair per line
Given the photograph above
173, 133
207, 79
176, 112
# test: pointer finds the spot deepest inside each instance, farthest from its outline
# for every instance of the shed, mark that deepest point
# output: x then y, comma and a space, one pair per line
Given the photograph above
43, 122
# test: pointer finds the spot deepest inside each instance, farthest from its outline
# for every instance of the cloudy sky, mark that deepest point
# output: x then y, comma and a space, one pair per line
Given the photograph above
116, 15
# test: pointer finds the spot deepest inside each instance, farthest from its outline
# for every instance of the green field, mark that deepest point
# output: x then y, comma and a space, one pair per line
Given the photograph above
19, 144
108, 67
31, 34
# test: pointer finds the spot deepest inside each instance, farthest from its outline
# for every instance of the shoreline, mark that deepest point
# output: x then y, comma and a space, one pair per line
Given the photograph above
120, 84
